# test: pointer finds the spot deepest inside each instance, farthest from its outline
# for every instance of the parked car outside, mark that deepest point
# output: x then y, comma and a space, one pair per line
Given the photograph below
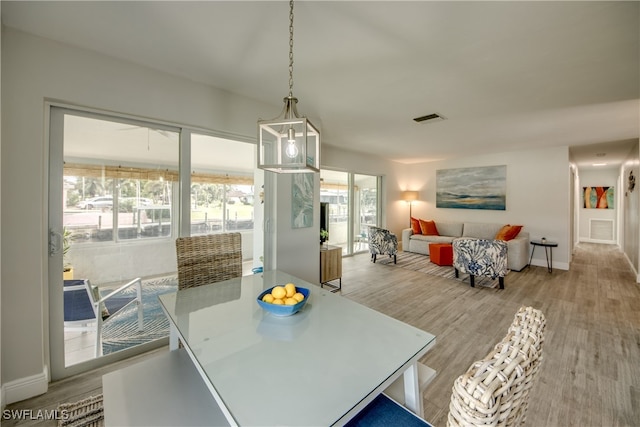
139, 201
96, 203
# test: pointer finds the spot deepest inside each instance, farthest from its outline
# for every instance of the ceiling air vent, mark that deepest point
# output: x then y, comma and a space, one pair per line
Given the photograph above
429, 117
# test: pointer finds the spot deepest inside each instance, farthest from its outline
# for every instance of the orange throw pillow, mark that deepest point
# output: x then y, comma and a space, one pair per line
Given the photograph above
429, 228
415, 226
508, 232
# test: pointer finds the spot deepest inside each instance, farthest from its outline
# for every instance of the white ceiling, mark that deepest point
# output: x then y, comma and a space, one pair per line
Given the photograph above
506, 75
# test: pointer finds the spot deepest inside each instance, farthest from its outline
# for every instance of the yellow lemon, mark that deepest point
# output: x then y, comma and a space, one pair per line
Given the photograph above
278, 301
268, 298
298, 296
290, 301
290, 288
278, 292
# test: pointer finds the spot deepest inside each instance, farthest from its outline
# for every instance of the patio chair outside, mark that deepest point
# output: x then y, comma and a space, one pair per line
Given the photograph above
85, 309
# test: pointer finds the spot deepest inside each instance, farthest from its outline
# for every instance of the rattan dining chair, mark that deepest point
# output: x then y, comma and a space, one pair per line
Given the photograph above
495, 390
207, 259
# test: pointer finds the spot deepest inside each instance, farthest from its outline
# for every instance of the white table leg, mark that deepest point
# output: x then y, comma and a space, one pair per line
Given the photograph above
173, 337
412, 398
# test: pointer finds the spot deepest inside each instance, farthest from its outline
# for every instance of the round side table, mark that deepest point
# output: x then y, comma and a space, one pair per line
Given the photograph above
548, 246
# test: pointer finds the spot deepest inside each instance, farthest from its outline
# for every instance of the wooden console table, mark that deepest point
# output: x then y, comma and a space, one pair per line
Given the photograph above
331, 266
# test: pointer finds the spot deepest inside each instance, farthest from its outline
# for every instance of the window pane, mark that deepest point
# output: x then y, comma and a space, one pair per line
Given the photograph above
119, 177
109, 164
366, 196
348, 225
334, 189
222, 190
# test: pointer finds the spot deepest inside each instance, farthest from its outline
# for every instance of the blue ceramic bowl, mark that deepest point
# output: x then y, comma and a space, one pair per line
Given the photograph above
283, 310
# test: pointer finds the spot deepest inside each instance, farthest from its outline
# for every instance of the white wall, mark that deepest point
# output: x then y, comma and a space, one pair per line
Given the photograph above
289, 253
607, 177
631, 210
35, 70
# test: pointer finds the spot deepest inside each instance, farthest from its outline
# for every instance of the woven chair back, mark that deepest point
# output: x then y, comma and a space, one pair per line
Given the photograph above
207, 259
495, 390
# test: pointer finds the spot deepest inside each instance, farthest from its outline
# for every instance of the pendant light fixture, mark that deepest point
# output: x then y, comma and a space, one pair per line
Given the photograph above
289, 143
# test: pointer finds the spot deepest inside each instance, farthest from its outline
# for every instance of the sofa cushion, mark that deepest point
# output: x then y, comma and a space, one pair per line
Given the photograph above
481, 230
431, 239
453, 229
415, 226
429, 228
508, 232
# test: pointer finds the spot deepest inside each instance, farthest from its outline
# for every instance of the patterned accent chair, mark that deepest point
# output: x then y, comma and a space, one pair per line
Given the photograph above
480, 257
382, 242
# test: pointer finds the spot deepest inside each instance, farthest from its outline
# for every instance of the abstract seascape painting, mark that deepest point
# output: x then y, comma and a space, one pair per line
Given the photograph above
472, 188
597, 197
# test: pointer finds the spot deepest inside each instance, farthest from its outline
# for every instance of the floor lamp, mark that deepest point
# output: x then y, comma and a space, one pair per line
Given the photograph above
410, 197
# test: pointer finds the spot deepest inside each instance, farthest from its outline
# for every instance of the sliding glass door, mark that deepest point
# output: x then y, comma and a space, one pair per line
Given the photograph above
113, 184
115, 210
366, 209
353, 201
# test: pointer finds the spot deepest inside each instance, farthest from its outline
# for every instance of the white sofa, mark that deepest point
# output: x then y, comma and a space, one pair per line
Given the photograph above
517, 248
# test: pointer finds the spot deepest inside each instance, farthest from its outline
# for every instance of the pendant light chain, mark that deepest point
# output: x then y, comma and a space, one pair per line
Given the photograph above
289, 143
290, 48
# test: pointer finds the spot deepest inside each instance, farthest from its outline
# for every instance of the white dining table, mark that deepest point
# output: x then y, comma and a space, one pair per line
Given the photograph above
318, 367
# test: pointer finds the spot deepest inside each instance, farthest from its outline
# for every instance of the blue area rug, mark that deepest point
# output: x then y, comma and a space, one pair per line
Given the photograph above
121, 330
384, 412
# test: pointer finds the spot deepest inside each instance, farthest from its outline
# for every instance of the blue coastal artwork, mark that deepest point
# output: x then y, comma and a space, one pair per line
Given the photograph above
472, 188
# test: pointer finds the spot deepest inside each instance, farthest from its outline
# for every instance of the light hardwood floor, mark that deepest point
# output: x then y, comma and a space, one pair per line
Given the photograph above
590, 375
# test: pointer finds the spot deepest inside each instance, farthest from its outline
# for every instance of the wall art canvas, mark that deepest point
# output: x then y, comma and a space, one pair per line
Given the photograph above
302, 200
472, 188
597, 197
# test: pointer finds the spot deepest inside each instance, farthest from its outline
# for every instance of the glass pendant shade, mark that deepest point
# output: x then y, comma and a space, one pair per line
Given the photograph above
288, 144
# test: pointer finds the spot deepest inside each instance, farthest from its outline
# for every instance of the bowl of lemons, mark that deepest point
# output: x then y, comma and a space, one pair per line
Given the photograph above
283, 300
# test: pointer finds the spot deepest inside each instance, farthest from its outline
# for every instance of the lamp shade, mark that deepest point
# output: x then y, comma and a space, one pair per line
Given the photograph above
409, 196
288, 144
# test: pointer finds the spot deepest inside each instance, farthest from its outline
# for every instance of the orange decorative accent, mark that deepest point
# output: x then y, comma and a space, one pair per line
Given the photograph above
441, 253
508, 232
428, 228
415, 226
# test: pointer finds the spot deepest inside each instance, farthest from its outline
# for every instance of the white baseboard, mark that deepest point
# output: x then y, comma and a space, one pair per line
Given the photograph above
632, 267
3, 403
606, 242
24, 388
556, 265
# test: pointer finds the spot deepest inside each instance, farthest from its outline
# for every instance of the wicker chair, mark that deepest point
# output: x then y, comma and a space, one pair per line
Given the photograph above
207, 259
382, 242
495, 390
